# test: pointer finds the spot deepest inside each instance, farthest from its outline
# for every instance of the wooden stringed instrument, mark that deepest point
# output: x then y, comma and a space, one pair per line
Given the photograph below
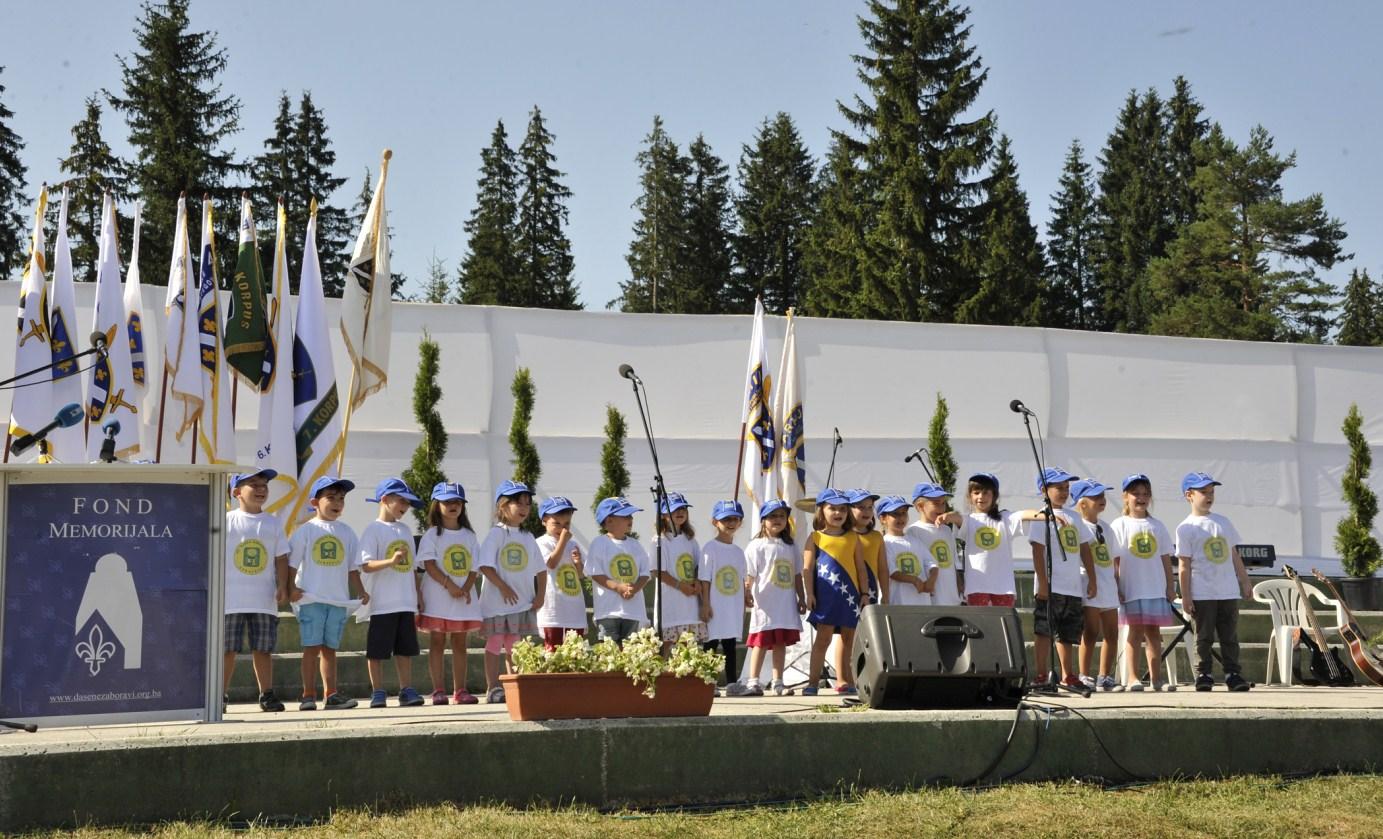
1368, 663
1326, 664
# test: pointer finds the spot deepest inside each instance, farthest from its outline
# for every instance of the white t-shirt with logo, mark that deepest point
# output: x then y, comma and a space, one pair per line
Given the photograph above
1066, 567
1142, 544
773, 566
392, 589
906, 555
989, 552
1104, 549
455, 553
1210, 541
324, 553
253, 542
623, 561
680, 559
939, 546
723, 566
564, 602
514, 554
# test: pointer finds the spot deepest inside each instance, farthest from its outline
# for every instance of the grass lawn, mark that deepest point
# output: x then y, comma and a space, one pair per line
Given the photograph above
1250, 806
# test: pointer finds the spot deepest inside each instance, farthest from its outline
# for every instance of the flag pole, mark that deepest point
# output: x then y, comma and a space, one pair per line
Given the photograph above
346, 429
195, 430
162, 404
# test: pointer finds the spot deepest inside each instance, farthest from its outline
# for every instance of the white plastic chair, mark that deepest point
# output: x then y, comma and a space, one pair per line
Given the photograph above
1286, 605
1187, 645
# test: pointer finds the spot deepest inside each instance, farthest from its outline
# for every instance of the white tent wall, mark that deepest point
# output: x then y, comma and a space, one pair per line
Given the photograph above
1263, 418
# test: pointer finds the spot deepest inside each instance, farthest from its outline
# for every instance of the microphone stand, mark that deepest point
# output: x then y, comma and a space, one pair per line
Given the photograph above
835, 446
659, 491
27, 373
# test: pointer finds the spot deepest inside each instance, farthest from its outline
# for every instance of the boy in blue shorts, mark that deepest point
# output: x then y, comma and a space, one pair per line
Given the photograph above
256, 582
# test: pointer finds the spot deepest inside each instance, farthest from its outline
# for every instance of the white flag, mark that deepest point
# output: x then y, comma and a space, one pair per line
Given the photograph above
182, 345
112, 398
759, 469
276, 448
316, 402
134, 330
792, 441
33, 407
365, 303
216, 434
68, 444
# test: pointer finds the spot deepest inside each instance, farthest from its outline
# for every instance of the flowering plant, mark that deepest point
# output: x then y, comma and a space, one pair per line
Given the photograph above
640, 659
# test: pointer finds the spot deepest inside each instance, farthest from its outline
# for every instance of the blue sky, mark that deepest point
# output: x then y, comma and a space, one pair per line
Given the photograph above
429, 79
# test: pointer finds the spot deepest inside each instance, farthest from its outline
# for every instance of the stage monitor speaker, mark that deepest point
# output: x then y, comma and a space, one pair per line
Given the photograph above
940, 657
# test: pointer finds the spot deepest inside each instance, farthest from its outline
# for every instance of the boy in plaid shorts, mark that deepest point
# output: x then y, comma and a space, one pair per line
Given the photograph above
256, 582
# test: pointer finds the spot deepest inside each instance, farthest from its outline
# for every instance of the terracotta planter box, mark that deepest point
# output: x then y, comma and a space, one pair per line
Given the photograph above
573, 696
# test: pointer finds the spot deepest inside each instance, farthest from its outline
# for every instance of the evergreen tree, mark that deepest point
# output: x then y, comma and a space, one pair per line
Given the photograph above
1011, 266
544, 253
709, 225
614, 474
1185, 128
923, 147
313, 164
273, 175
437, 289
527, 469
488, 271
425, 470
1361, 319
939, 447
13, 232
178, 120
334, 286
91, 169
835, 242
1359, 551
1071, 236
656, 257
1246, 267
775, 205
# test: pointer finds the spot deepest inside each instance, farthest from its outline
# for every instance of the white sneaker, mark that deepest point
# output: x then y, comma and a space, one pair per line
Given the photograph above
1088, 681
1136, 687
1163, 685
779, 689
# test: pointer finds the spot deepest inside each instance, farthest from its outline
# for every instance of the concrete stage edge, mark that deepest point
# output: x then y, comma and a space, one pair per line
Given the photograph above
301, 766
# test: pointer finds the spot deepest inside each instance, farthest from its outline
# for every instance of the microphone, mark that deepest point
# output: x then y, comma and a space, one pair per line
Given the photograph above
628, 372
838, 440
1017, 407
917, 455
111, 427
98, 341
70, 415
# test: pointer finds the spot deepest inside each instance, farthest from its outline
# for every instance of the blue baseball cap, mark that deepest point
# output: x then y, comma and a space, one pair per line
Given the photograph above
727, 510
855, 496
1133, 479
1089, 488
889, 503
1054, 475
326, 482
614, 507
1197, 480
986, 477
675, 501
554, 505
772, 507
448, 491
508, 488
831, 495
928, 490
395, 486
238, 480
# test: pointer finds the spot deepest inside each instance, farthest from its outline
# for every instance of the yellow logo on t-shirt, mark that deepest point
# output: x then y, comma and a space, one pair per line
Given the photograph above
328, 551
727, 581
907, 563
941, 552
1216, 549
566, 580
987, 538
513, 557
782, 573
1100, 554
685, 568
405, 564
456, 560
624, 568
1143, 544
1070, 539
251, 557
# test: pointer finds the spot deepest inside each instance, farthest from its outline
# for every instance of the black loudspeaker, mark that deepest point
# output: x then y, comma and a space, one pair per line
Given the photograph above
940, 657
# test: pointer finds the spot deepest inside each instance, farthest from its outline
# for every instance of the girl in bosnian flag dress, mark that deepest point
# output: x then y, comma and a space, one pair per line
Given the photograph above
833, 572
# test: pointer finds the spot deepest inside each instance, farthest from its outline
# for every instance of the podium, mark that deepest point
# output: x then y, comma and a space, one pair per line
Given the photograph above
111, 592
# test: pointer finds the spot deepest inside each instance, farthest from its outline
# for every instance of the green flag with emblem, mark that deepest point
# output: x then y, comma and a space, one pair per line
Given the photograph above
247, 320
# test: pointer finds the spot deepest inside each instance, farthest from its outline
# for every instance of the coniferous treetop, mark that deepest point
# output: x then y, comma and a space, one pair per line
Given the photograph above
12, 198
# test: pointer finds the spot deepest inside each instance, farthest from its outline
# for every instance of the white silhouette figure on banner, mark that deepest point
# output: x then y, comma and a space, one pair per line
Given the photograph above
110, 592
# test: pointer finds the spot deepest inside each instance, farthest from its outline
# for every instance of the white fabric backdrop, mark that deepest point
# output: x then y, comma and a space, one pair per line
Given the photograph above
1263, 418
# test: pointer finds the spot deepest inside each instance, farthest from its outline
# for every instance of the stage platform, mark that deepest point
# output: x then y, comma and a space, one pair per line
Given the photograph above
295, 765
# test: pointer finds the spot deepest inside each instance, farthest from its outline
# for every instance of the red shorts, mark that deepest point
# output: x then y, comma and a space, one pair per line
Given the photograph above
427, 623
981, 599
554, 635
773, 638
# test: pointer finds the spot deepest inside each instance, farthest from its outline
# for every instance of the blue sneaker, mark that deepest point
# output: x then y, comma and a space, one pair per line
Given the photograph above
378, 699
810, 690
409, 698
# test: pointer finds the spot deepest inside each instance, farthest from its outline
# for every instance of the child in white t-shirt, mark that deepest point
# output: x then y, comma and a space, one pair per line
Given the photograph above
386, 559
1058, 607
1213, 580
724, 596
450, 590
775, 582
934, 536
618, 568
678, 588
564, 599
1102, 610
989, 533
1143, 556
256, 582
515, 582
909, 568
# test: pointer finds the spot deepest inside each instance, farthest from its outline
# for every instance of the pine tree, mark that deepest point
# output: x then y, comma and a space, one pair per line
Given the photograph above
13, 233
709, 226
614, 474
491, 265
835, 242
939, 447
1011, 265
1185, 128
656, 256
273, 176
775, 205
1359, 550
437, 288
923, 146
544, 253
313, 164
178, 120
425, 470
91, 169
1361, 320
1071, 236
527, 468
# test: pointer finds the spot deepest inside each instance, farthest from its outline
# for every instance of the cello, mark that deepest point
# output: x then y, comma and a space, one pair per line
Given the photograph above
1368, 663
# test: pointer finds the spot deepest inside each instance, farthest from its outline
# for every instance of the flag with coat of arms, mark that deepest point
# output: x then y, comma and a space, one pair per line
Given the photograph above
134, 330
275, 448
182, 345
32, 406
68, 444
366, 301
759, 465
110, 391
216, 433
